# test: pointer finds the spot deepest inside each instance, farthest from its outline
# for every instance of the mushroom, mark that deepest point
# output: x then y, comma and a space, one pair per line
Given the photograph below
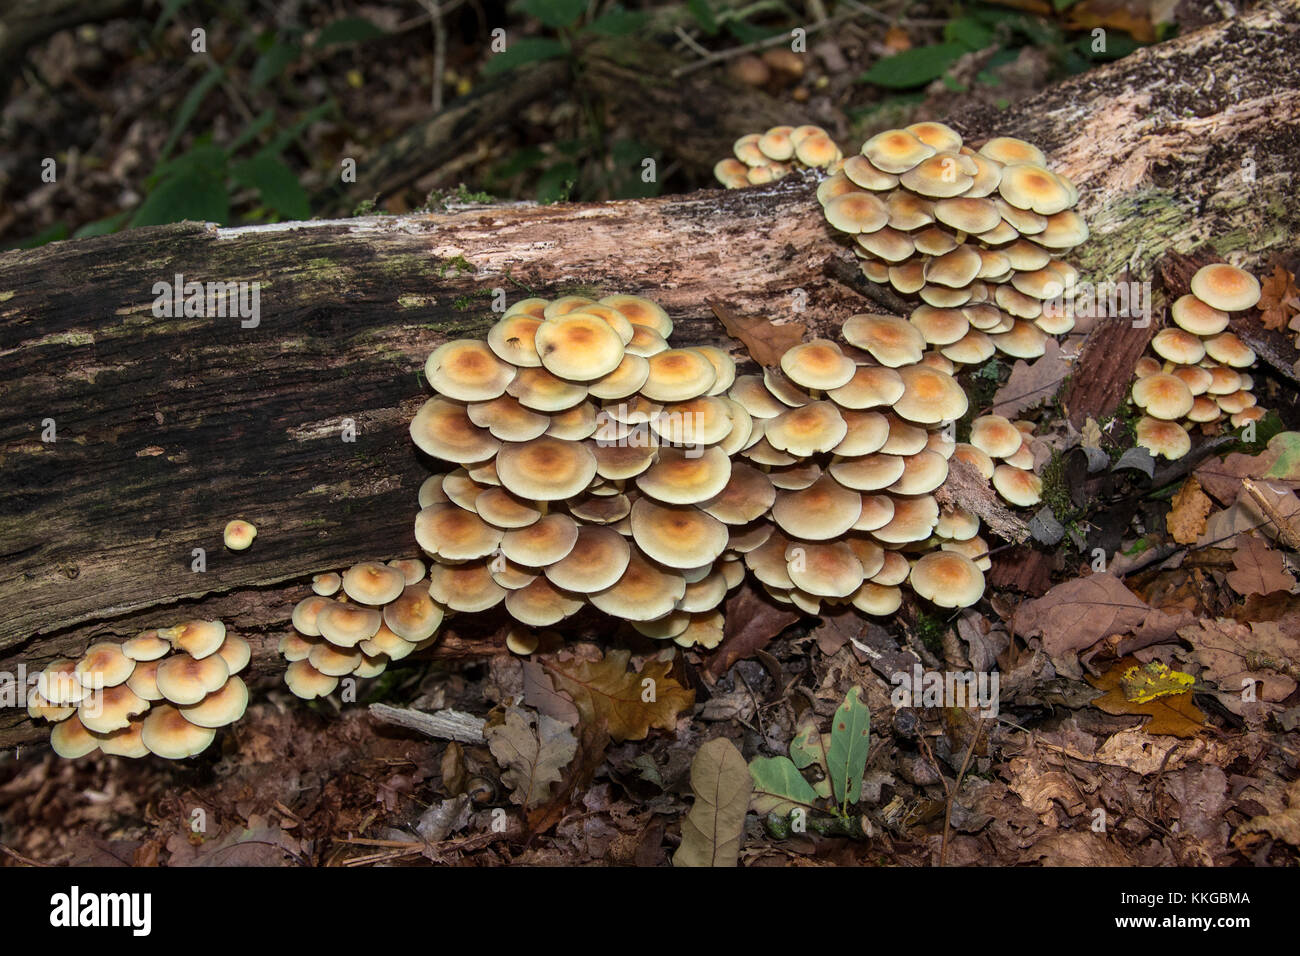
238, 535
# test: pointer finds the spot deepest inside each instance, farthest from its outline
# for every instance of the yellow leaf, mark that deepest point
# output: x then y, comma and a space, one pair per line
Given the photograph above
1186, 521
629, 702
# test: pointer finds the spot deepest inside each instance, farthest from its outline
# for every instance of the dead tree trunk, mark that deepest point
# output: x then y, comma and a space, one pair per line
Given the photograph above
167, 427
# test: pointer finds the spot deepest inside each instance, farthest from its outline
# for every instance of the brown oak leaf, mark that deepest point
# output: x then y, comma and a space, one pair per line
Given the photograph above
765, 341
1031, 384
629, 702
1234, 654
1260, 569
1186, 521
1279, 300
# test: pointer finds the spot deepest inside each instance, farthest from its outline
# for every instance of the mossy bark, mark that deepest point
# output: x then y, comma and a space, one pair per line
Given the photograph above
168, 427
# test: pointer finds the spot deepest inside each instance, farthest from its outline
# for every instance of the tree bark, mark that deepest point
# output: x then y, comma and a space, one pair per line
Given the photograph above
168, 427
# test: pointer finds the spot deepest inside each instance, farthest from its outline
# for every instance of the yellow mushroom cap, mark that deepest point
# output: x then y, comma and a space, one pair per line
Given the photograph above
1229, 350
127, 741
579, 347
538, 389
1193, 315
877, 599
146, 646
930, 396
642, 592
1226, 287
938, 135
943, 175
219, 708
747, 495
819, 364
939, 326
678, 375
686, 476
196, 638
238, 535
1204, 409
1163, 396
39, 707
535, 307
642, 312
168, 734
870, 387
235, 651
110, 708
896, 150
333, 661
825, 509
373, 583
467, 370
595, 562
995, 436
184, 680
700, 421
1029, 186
947, 578
307, 682
1163, 437
507, 419
677, 536
1010, 151
625, 380
856, 212
914, 519
1024, 340
413, 617
1017, 486
908, 211
443, 429
808, 430
328, 584
922, 473
103, 665
867, 433
546, 469
825, 570
512, 339
346, 625
1178, 345
70, 739
541, 604
967, 215
544, 542
858, 171
451, 533
891, 341
868, 472
464, 587
816, 150
306, 612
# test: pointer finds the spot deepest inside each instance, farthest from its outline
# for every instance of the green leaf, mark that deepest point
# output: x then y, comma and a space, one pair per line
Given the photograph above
189, 106
913, 67
555, 13
1117, 45
276, 183
703, 14
850, 739
252, 130
617, 21
969, 32
524, 51
192, 194
101, 227
1287, 464
53, 233
711, 831
272, 63
779, 786
348, 30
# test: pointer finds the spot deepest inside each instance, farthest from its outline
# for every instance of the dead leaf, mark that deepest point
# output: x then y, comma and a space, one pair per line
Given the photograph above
722, 785
1176, 715
765, 341
1284, 825
627, 702
1188, 511
752, 621
1260, 569
1030, 384
1077, 614
1279, 300
531, 753
1234, 654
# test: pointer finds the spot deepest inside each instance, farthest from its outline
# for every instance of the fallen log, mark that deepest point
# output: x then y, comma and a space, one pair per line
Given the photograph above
164, 427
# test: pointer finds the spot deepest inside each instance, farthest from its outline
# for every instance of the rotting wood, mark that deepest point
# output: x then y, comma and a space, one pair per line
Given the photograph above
169, 427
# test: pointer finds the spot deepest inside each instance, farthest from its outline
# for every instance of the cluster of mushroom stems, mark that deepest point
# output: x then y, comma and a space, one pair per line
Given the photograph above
164, 692
1197, 372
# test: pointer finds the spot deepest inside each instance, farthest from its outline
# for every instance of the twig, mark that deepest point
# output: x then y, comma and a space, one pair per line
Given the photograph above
956, 787
709, 59
445, 724
20, 858
1285, 529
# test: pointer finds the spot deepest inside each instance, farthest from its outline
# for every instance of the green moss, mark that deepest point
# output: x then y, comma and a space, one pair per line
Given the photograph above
455, 266
930, 629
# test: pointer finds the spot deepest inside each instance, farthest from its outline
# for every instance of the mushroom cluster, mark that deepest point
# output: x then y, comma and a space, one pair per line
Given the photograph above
766, 157
164, 692
1000, 451
594, 467
977, 236
1197, 375
383, 614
